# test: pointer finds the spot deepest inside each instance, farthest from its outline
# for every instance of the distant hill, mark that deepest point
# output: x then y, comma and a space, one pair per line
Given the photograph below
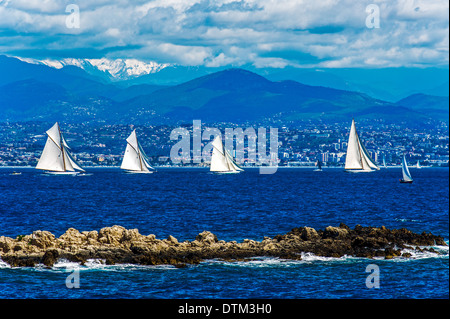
436, 107
73, 79
39, 92
238, 95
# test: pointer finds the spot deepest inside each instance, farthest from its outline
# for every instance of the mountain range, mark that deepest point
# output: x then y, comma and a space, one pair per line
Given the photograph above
82, 93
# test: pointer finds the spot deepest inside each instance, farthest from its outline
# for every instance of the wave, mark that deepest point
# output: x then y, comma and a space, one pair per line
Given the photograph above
99, 264
3, 264
255, 262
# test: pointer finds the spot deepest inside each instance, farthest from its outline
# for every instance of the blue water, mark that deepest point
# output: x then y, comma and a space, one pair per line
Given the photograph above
185, 202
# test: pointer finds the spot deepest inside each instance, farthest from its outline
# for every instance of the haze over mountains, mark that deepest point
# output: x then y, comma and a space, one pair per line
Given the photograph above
174, 94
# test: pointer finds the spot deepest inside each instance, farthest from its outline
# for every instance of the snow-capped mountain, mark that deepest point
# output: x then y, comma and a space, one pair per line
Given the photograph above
116, 70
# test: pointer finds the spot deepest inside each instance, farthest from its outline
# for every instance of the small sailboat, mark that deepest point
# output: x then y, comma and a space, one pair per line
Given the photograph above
358, 158
56, 158
319, 167
384, 162
135, 160
405, 172
418, 165
221, 160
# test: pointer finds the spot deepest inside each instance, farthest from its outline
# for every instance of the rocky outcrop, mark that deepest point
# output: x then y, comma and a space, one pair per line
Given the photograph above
116, 245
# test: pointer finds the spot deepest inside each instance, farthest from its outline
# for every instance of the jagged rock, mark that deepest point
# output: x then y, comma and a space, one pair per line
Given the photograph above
335, 233
6, 244
50, 257
71, 237
172, 240
206, 237
42, 239
118, 245
308, 233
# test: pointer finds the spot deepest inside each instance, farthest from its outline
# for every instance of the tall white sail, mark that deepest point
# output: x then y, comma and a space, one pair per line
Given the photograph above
384, 162
134, 158
221, 160
51, 158
418, 165
405, 171
56, 156
358, 158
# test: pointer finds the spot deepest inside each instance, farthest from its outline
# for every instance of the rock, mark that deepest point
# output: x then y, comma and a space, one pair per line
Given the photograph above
71, 237
111, 235
131, 235
308, 233
50, 257
6, 244
42, 239
118, 245
172, 240
206, 237
335, 232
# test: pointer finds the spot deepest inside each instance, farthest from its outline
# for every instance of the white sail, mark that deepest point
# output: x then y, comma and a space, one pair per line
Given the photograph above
144, 158
384, 161
131, 159
232, 163
221, 160
418, 164
367, 156
55, 156
405, 171
358, 159
72, 161
134, 158
51, 158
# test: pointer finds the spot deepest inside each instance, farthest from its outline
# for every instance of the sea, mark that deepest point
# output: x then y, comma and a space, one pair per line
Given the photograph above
183, 202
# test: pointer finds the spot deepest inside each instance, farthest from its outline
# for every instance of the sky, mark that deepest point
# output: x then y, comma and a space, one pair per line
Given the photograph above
261, 33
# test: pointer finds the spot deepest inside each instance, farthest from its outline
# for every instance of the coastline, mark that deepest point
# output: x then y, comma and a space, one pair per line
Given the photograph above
117, 245
207, 167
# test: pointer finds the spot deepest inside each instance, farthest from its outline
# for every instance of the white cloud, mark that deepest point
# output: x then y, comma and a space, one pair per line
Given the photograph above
327, 33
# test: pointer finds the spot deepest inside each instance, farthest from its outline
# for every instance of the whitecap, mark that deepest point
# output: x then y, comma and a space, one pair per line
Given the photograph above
100, 264
4, 264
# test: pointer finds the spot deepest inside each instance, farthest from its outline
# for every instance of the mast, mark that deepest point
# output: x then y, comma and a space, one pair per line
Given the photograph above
62, 147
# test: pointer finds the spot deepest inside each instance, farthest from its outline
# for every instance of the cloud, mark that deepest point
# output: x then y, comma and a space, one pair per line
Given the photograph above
264, 33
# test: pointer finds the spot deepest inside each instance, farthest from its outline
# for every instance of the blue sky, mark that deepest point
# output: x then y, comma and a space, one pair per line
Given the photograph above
261, 33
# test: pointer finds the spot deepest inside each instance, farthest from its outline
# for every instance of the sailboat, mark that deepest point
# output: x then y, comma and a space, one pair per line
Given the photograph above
319, 167
405, 171
221, 160
358, 159
56, 158
384, 162
135, 160
418, 165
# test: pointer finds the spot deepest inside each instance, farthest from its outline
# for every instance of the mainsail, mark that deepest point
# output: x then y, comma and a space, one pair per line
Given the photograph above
358, 158
221, 160
135, 159
405, 171
56, 156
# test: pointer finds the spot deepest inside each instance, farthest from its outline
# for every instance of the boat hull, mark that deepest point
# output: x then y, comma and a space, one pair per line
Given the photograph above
229, 172
359, 171
405, 182
138, 172
61, 173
